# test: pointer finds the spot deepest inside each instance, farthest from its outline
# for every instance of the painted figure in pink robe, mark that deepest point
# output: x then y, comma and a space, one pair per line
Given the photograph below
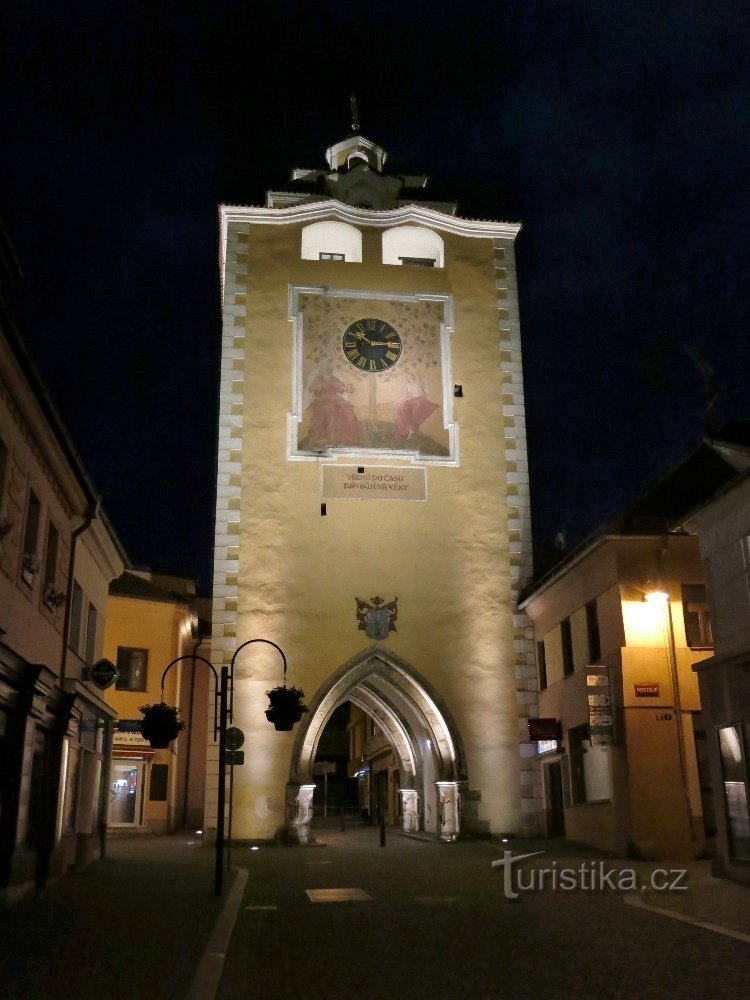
332, 417
412, 412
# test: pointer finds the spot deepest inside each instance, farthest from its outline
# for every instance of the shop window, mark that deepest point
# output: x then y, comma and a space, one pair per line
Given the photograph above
541, 662
159, 780
333, 238
592, 631
40, 789
735, 774
132, 665
567, 647
697, 618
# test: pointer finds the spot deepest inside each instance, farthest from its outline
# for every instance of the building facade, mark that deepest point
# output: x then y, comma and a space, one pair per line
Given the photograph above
372, 503
619, 625
621, 735
58, 555
722, 526
151, 621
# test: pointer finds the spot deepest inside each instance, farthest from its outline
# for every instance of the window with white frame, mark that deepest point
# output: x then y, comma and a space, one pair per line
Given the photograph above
85, 622
29, 552
697, 617
132, 667
50, 594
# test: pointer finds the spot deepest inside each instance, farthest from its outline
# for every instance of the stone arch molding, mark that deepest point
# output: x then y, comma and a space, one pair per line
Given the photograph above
418, 725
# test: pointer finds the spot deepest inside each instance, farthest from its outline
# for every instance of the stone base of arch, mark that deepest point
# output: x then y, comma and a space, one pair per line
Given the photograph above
299, 812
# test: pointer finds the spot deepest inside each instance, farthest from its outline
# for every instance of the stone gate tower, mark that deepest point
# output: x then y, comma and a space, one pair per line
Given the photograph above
373, 507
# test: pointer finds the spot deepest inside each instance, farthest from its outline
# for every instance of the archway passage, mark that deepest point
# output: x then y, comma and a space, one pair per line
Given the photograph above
413, 721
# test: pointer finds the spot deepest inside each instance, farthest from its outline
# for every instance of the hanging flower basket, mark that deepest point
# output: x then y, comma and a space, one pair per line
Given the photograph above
286, 707
160, 724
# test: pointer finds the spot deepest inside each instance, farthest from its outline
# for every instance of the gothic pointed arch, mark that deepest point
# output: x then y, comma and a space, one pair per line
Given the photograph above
405, 705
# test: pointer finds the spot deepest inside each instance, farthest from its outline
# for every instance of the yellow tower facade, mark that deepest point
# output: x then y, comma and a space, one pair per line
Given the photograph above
372, 498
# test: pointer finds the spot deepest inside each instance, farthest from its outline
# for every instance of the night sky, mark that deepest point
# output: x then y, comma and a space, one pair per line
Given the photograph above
618, 133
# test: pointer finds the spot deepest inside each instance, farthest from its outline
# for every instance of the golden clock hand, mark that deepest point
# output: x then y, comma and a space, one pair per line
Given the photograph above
383, 343
361, 336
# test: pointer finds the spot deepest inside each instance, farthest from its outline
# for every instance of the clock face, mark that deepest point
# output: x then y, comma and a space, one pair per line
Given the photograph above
371, 345
370, 373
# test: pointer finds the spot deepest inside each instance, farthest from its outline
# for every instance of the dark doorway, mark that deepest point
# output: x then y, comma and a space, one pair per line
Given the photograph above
380, 794
554, 791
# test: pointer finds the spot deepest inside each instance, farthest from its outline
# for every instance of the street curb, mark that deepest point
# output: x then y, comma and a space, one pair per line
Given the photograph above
663, 912
208, 974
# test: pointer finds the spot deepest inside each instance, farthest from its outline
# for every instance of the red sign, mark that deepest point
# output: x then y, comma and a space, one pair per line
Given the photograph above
544, 729
646, 690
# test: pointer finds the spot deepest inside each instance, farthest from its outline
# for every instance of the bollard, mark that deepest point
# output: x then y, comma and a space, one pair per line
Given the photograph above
382, 829
343, 820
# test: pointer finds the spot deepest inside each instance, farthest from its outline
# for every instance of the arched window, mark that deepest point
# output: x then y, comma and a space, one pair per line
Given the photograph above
412, 245
331, 241
355, 158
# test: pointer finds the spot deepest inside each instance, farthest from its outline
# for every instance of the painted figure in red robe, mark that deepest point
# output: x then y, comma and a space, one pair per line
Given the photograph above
333, 419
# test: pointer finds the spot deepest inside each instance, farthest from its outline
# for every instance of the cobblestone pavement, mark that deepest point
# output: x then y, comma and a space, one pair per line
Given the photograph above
427, 920
129, 927
423, 920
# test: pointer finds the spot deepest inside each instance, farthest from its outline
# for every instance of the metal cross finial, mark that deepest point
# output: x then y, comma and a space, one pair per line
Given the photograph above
355, 113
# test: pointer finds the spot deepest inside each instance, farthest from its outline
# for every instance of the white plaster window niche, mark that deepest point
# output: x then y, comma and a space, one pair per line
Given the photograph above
413, 246
332, 241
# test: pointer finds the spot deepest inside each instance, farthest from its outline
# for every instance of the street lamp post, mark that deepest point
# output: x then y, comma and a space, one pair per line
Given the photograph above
221, 712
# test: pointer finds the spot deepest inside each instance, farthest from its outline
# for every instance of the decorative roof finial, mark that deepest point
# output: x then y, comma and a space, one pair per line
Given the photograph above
355, 113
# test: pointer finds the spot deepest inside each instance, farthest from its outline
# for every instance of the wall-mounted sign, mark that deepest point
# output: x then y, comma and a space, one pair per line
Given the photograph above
235, 738
128, 733
646, 690
547, 746
599, 703
370, 482
103, 674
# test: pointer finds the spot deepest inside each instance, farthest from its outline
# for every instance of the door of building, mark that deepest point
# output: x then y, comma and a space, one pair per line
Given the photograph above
554, 794
126, 793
